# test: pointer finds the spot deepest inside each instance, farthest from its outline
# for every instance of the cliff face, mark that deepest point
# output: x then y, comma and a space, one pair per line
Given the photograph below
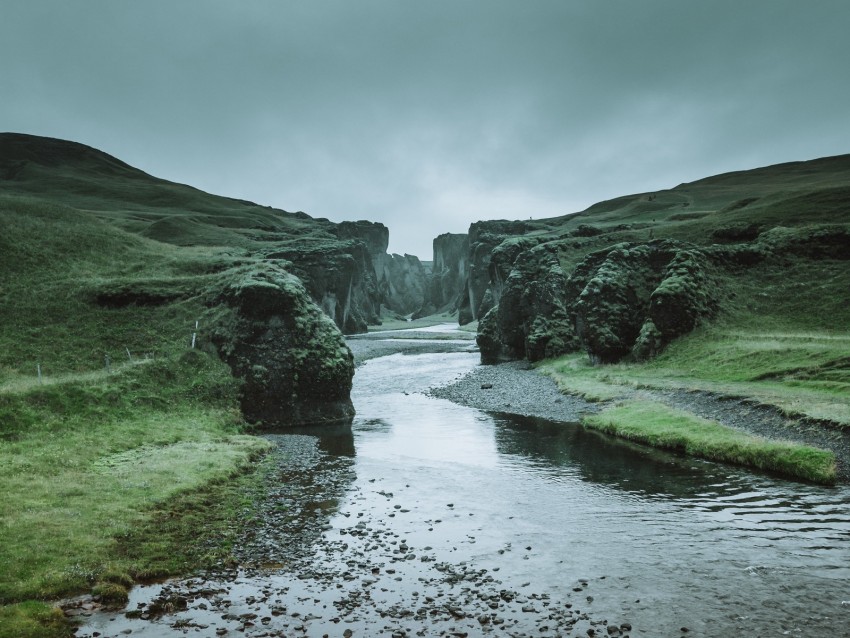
374, 235
629, 299
483, 238
399, 281
627, 276
340, 279
448, 274
403, 283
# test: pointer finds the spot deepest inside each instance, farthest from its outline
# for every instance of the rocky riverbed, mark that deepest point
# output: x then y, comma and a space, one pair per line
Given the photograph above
382, 566
426, 518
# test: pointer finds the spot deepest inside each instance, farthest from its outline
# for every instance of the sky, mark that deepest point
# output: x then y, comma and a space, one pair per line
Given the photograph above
428, 116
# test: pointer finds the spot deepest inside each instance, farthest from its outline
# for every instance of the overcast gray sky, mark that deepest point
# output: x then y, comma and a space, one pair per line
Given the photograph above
427, 116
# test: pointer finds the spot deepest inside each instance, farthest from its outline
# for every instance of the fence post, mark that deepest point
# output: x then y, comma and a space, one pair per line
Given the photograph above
129, 356
38, 368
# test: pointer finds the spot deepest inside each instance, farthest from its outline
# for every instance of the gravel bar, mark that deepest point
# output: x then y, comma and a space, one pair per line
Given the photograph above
514, 388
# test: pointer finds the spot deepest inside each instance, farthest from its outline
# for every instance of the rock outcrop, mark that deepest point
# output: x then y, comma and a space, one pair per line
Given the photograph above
293, 362
532, 319
636, 298
403, 283
340, 278
627, 299
375, 235
483, 238
353, 277
448, 274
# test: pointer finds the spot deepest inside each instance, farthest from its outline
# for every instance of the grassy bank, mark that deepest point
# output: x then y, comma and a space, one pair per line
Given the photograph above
780, 340
802, 372
793, 371
660, 426
107, 475
88, 467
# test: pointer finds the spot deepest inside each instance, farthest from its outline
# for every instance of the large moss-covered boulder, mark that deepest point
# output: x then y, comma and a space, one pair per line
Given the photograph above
611, 308
293, 361
630, 299
532, 317
636, 298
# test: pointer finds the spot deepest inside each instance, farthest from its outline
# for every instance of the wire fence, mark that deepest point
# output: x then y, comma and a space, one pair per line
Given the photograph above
21, 382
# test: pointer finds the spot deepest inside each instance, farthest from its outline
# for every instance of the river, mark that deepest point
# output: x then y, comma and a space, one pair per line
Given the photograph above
428, 518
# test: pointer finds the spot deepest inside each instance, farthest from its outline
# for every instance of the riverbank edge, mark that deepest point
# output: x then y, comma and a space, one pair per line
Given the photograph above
180, 523
517, 387
195, 529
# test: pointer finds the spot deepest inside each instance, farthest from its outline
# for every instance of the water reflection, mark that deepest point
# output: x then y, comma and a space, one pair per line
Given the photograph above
554, 448
662, 541
335, 440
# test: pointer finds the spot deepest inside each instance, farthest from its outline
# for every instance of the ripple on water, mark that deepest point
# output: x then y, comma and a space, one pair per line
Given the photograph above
552, 513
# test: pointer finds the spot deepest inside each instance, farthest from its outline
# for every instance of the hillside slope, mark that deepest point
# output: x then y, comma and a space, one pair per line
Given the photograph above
344, 266
736, 283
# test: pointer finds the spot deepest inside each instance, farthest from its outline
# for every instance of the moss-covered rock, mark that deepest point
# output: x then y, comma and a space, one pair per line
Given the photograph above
292, 360
626, 299
532, 318
641, 297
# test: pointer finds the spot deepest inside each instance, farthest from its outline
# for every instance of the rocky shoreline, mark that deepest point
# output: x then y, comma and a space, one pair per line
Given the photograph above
287, 579
516, 388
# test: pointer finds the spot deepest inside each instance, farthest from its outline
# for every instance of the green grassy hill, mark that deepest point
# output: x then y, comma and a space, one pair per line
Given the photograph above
104, 272
87, 179
748, 271
794, 193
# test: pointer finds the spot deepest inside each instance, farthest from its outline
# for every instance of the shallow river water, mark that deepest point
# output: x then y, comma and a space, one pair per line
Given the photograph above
428, 518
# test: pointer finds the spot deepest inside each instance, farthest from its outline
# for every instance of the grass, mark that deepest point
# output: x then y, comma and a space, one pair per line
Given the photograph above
108, 481
110, 477
660, 426
802, 374
33, 619
781, 339
82, 464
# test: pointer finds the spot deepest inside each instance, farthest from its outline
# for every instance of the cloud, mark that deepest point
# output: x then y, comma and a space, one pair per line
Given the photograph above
428, 116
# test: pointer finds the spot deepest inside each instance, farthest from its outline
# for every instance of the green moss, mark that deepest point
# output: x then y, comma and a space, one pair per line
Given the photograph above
33, 619
111, 594
84, 460
661, 426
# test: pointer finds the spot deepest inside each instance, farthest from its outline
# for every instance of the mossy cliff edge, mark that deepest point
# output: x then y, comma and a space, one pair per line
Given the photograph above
625, 278
104, 264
